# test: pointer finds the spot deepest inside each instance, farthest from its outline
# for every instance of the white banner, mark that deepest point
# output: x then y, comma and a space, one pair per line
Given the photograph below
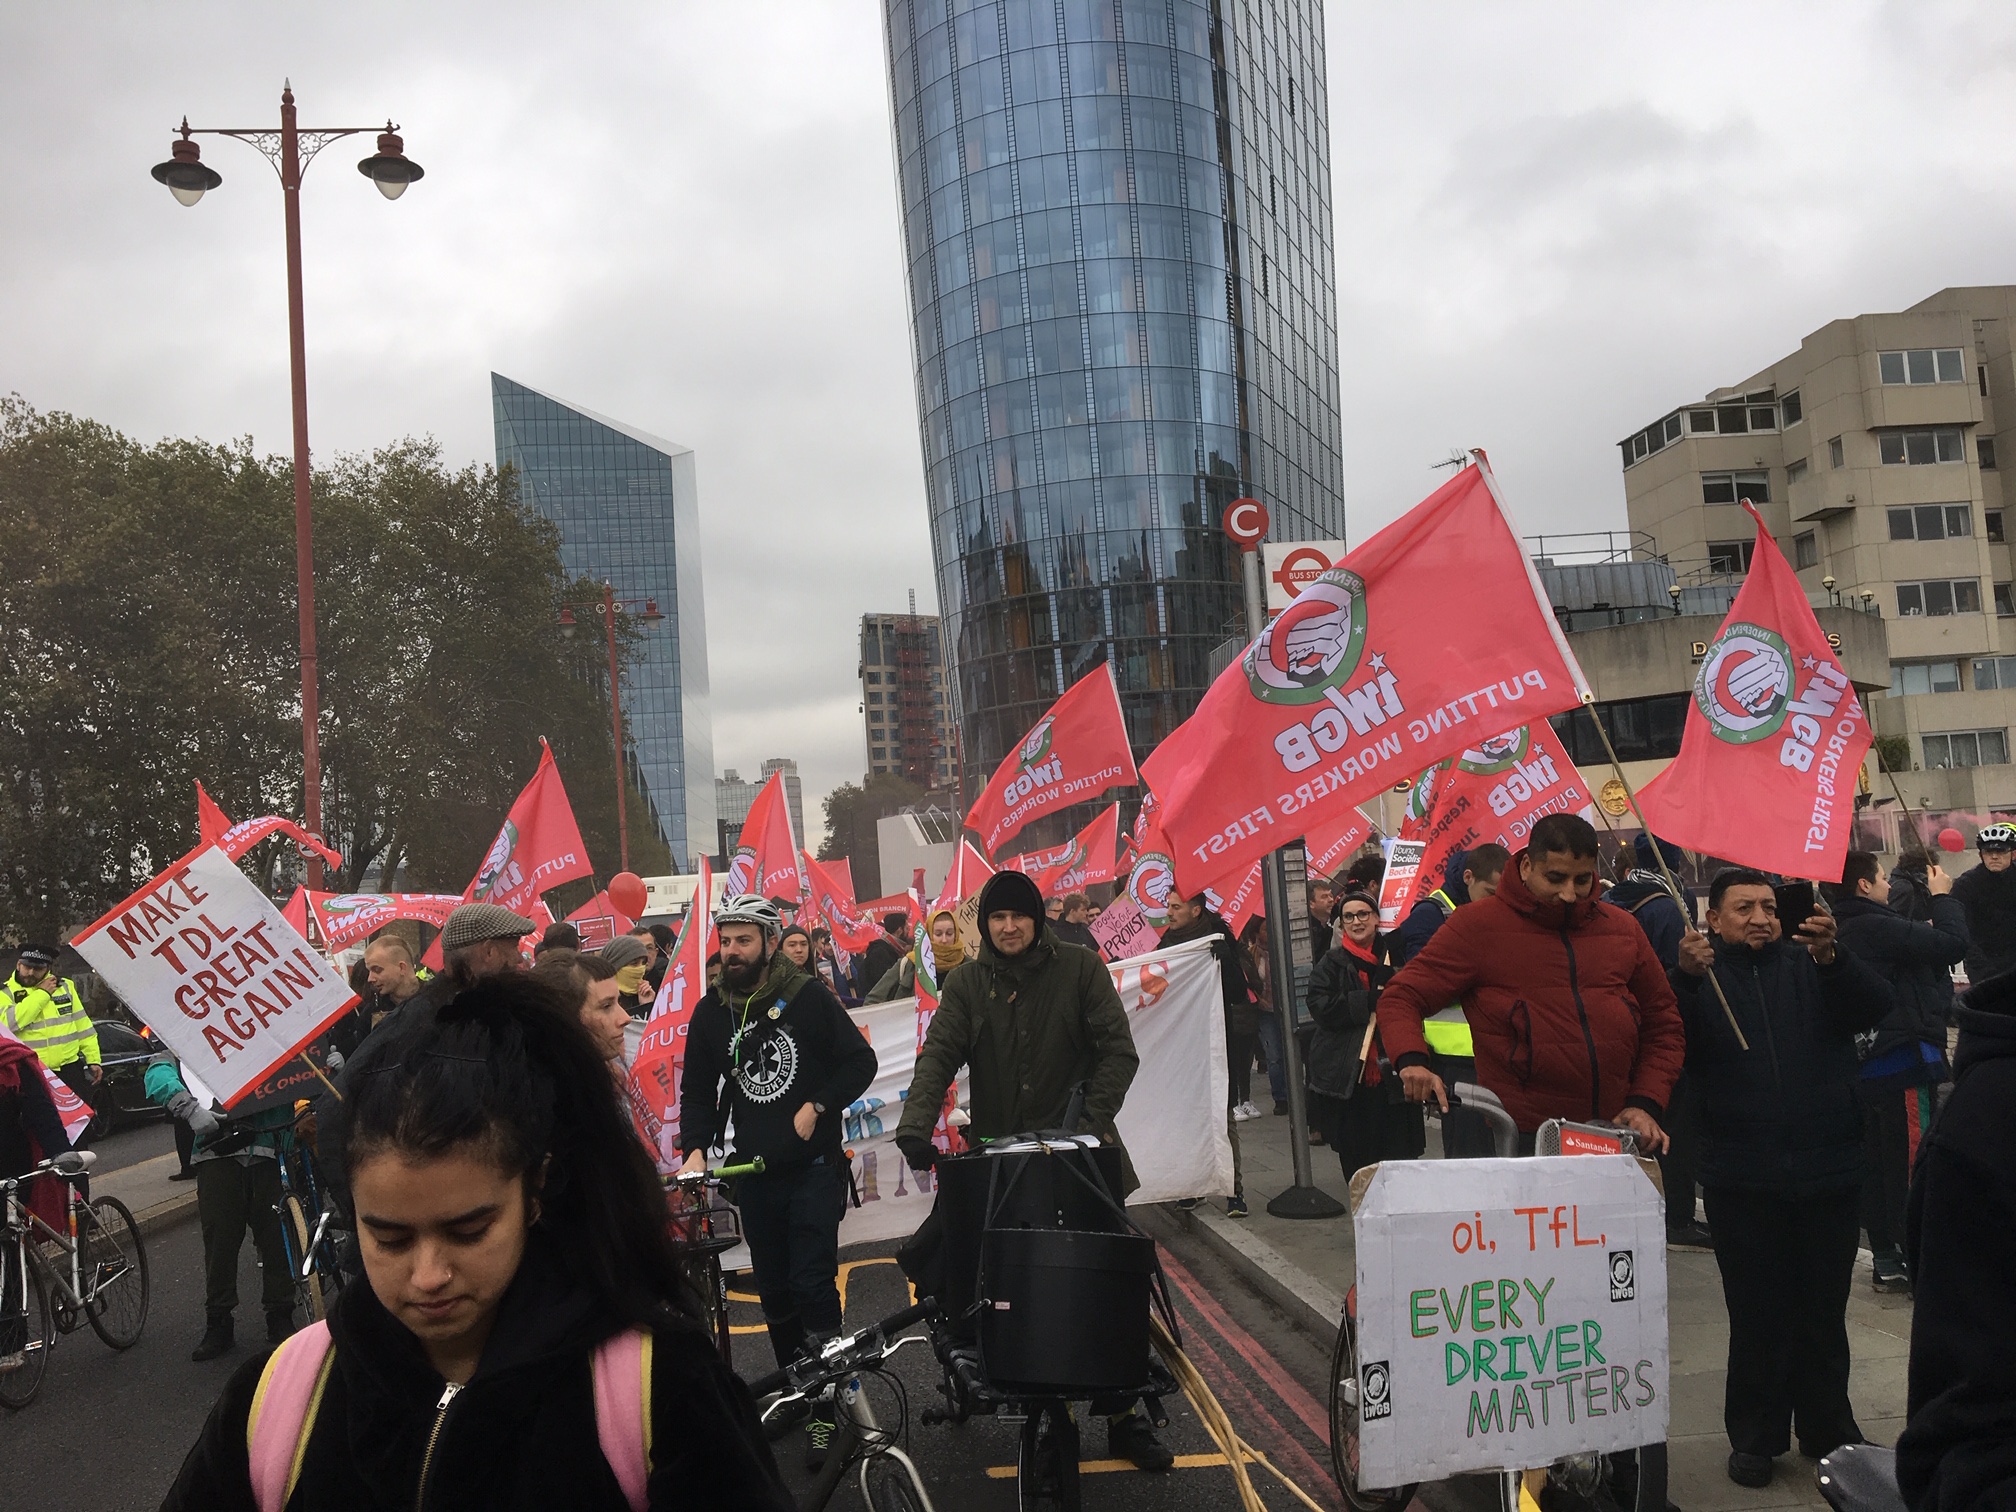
1173, 1121
1510, 1312
208, 963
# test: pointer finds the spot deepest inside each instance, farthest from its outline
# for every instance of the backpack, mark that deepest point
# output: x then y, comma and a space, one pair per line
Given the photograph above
290, 1394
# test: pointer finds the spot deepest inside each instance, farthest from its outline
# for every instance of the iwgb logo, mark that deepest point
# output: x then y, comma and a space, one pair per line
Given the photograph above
1744, 687
1036, 745
1149, 885
498, 872
1313, 645
1498, 754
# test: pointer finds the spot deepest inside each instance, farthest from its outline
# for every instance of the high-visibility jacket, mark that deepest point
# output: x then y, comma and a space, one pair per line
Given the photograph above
1447, 1032
50, 1019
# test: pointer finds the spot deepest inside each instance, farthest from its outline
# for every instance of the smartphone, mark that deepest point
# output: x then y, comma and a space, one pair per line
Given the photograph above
1797, 902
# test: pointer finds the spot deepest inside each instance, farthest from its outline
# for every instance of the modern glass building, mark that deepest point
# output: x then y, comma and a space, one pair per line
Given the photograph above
628, 508
1116, 215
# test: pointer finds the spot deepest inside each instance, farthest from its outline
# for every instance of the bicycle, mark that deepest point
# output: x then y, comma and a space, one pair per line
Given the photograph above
1629, 1481
889, 1478
107, 1286
702, 1231
314, 1254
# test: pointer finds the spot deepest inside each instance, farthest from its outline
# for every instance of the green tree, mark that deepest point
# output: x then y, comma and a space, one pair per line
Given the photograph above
851, 812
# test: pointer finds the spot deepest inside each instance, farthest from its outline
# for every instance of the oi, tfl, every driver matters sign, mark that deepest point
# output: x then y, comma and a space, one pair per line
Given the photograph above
1510, 1312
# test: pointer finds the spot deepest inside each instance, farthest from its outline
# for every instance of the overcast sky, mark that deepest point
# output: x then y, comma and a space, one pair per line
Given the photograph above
1554, 222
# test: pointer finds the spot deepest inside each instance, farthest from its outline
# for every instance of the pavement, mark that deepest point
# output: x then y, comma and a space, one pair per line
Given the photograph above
1304, 1267
134, 1165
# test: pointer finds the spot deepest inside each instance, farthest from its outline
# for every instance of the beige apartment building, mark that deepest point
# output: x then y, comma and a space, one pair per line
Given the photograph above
1870, 453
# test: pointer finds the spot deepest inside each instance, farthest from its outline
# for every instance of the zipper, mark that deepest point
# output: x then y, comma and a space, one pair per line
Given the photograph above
1770, 1039
1588, 1034
448, 1392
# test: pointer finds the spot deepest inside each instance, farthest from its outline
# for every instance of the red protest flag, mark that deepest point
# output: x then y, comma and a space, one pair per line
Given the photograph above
766, 857
852, 932
1766, 771
969, 870
1075, 751
345, 918
210, 821
1494, 792
235, 840
1329, 846
1243, 901
1365, 677
538, 848
661, 1054
842, 873
1083, 861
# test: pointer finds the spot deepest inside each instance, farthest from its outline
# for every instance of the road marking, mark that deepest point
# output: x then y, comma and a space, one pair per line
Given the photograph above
1291, 1391
1116, 1466
847, 1269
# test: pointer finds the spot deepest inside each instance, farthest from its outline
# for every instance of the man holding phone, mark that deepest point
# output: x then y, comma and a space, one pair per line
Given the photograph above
1781, 1156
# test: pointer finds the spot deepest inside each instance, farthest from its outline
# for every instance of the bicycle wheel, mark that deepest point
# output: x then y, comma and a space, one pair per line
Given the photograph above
327, 1258
1046, 1467
27, 1327
890, 1488
307, 1288
1345, 1389
114, 1266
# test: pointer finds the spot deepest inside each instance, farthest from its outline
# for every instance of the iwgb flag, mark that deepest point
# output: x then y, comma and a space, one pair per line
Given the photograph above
766, 856
1766, 771
1329, 846
1075, 752
212, 828
852, 932
1240, 902
538, 848
661, 1054
1494, 791
1083, 861
968, 872
346, 918
1363, 679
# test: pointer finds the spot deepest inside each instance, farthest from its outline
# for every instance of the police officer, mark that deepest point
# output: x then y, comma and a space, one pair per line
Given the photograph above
46, 1013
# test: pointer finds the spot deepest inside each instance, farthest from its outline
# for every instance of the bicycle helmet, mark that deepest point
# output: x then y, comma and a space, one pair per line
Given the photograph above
1995, 835
751, 908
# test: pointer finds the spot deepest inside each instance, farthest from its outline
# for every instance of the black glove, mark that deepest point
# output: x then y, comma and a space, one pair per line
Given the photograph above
918, 1151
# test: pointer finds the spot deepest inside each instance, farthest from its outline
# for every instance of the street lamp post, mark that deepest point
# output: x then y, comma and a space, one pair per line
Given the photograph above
607, 610
290, 150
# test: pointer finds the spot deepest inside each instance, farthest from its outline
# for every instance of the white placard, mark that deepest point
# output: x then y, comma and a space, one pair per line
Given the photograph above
210, 965
1509, 1312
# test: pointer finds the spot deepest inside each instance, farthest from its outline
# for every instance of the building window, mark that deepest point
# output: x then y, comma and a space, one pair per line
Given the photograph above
1923, 365
1701, 422
1729, 556
1992, 519
1984, 449
1927, 677
1991, 672
1982, 371
1794, 471
879, 753
1805, 550
1834, 453
1931, 522
1966, 748
2005, 600
1644, 729
1790, 407
1727, 488
1940, 596
1915, 448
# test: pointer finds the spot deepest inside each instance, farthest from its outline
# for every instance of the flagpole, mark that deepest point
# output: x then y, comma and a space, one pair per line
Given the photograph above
1923, 849
1658, 854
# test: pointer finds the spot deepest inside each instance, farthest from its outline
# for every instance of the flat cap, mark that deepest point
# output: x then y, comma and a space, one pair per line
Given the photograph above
473, 923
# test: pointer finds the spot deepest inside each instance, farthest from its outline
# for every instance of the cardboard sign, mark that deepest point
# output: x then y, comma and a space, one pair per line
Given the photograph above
203, 957
1122, 930
1510, 1312
1403, 869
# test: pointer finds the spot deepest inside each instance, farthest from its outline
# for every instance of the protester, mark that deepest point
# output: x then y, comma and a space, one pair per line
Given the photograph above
510, 1225
1322, 900
1354, 1094
828, 963
1958, 1449
586, 987
631, 954
560, 935
1987, 891
478, 940
1074, 925
391, 982
1032, 1019
1571, 1013
796, 943
1367, 874
885, 950
1253, 944
1904, 1063
1910, 895
792, 1061
31, 1131
46, 1013
1190, 918
1053, 910
663, 939
1781, 1160
900, 980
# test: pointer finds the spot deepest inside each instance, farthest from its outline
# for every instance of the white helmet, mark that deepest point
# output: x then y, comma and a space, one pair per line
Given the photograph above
1995, 834
751, 908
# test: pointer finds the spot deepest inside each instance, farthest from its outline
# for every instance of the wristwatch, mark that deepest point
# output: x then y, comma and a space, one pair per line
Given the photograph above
819, 1108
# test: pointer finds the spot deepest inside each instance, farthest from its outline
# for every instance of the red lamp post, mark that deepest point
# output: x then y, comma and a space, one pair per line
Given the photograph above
291, 149
606, 608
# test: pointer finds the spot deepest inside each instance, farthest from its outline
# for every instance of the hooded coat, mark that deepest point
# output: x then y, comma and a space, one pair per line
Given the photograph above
1958, 1450
1029, 1028
521, 1434
1990, 901
1428, 914
1916, 960
1569, 1009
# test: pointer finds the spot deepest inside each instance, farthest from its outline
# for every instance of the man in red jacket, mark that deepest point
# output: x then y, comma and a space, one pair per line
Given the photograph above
1569, 1008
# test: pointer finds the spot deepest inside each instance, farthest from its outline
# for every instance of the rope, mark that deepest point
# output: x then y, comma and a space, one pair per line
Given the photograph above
1209, 1412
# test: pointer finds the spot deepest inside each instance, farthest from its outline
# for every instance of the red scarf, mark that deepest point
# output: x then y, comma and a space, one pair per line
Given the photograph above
1358, 950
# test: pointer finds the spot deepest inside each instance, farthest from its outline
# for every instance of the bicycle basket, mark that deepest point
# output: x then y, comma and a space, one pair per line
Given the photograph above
706, 1221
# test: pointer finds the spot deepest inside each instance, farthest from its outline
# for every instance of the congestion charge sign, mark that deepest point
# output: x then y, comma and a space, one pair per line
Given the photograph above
1510, 1312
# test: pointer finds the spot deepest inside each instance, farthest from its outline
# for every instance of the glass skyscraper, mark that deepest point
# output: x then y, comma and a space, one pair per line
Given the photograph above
1116, 215
628, 508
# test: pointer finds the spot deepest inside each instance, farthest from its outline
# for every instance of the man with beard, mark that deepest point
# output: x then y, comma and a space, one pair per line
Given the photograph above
792, 1061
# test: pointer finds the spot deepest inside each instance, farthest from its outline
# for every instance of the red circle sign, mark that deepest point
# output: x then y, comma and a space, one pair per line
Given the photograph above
1246, 522
1300, 568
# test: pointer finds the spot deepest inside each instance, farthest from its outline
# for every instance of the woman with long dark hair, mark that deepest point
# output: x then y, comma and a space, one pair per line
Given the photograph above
524, 1339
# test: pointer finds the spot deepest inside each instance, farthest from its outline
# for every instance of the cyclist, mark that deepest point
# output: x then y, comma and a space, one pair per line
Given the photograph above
30, 1132
791, 1061
510, 1227
1988, 893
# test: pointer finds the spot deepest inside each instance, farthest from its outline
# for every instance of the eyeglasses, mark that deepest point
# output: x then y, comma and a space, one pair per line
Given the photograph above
1358, 916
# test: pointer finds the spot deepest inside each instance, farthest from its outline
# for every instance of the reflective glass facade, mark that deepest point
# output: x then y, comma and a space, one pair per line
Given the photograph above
628, 510
1117, 220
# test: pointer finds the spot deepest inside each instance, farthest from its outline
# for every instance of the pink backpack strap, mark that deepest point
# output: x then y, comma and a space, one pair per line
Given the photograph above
622, 1368
283, 1412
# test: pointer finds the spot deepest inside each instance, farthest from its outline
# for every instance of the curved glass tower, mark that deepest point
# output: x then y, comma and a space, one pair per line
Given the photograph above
1117, 220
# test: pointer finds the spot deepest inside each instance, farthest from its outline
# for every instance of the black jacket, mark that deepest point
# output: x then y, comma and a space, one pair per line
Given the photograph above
797, 1046
1990, 901
1242, 1016
1647, 900
1343, 994
1958, 1450
1782, 1116
520, 1435
1073, 934
1910, 896
881, 954
1915, 959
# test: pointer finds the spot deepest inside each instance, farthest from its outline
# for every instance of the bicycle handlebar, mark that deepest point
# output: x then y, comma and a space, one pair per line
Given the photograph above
69, 1163
751, 1167
844, 1354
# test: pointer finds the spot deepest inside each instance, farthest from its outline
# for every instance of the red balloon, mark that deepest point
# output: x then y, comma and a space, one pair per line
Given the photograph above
628, 895
1952, 840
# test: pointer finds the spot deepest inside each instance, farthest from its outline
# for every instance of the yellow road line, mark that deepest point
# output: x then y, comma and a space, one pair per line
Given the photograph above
847, 1269
1111, 1466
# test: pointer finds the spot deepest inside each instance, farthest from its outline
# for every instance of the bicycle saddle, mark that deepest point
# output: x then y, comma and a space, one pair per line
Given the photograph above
1861, 1478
